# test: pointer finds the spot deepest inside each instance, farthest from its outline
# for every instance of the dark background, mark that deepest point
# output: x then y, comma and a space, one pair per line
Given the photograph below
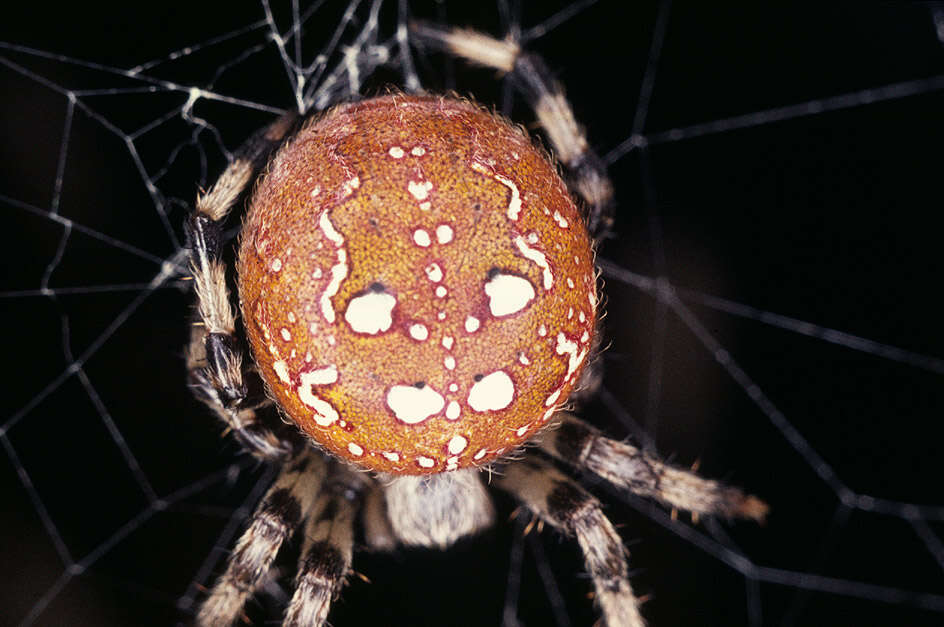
827, 218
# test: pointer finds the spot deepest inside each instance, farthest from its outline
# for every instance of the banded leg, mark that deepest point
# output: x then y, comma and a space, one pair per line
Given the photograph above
559, 501
625, 466
326, 554
276, 518
545, 95
216, 372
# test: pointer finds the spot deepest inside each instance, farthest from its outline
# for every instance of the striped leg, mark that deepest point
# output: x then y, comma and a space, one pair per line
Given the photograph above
281, 511
625, 466
559, 501
216, 373
326, 554
546, 96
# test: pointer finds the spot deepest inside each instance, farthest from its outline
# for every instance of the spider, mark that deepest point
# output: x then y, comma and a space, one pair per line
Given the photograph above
418, 292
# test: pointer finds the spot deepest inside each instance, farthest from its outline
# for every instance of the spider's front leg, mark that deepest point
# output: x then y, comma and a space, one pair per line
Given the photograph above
214, 358
562, 503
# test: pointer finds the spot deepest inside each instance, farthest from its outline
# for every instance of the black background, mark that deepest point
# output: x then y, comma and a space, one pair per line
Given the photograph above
827, 218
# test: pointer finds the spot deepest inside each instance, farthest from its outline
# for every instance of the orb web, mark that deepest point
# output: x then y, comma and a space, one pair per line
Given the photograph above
770, 295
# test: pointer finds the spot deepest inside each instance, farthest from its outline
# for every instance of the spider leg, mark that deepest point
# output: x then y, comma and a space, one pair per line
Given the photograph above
559, 501
216, 372
625, 466
326, 553
377, 531
545, 94
276, 518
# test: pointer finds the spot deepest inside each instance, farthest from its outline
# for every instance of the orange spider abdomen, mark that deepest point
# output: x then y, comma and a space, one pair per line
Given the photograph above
417, 284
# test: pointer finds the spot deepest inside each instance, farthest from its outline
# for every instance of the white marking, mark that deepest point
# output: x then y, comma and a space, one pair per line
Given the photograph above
434, 273
570, 283
514, 205
547, 415
444, 233
537, 257
321, 376
281, 369
309, 357
450, 362
566, 346
570, 313
447, 342
553, 398
581, 316
425, 462
419, 332
522, 430
561, 221
441, 315
524, 360
413, 405
542, 330
472, 324
532, 237
291, 316
276, 264
338, 270
492, 392
325, 414
418, 151
285, 334
348, 187
453, 410
396, 152
584, 337
425, 206
370, 312
441, 292
479, 455
421, 238
355, 449
419, 189
316, 191
317, 274
452, 463
508, 294
457, 444
392, 456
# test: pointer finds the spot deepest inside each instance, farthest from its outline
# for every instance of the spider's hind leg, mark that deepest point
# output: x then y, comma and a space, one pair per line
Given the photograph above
584, 447
562, 503
329, 545
276, 518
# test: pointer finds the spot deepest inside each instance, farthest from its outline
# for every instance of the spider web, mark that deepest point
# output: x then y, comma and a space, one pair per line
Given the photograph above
771, 291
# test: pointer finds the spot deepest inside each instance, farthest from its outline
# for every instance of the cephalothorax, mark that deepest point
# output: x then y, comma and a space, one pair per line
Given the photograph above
418, 290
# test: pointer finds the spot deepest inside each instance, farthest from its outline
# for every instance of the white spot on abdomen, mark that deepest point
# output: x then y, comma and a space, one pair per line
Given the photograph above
413, 405
434, 272
444, 233
396, 152
421, 238
569, 348
532, 254
457, 444
419, 332
472, 324
492, 392
370, 313
338, 270
453, 410
355, 449
281, 369
508, 294
325, 415
514, 204
425, 462
419, 189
